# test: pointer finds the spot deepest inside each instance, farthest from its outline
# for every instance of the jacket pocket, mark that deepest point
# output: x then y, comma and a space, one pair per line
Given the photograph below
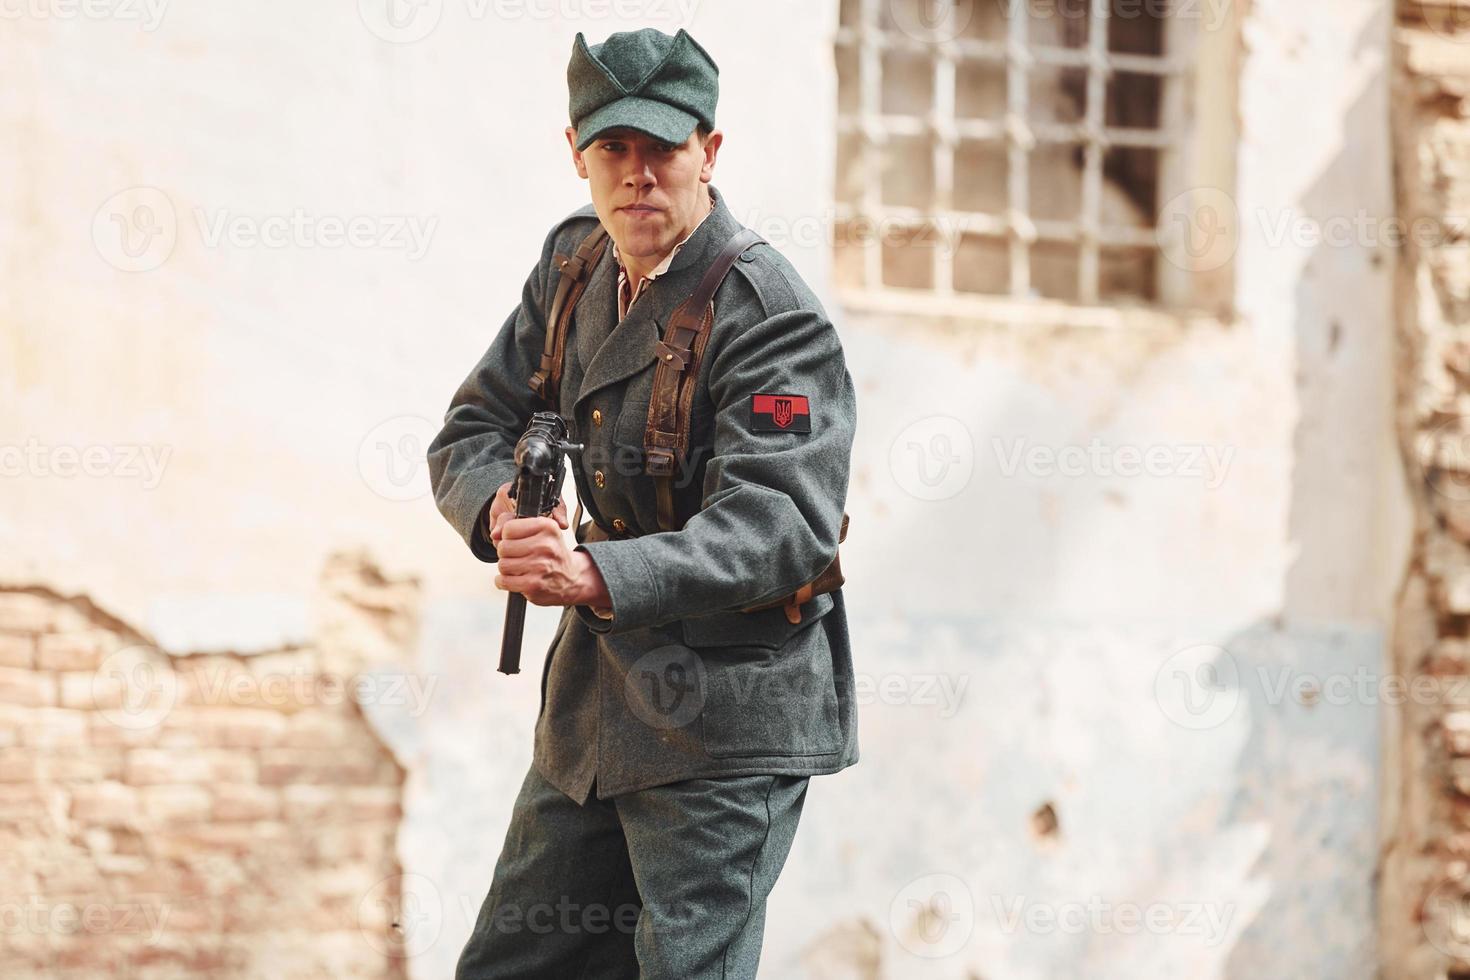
766, 628
769, 684
761, 702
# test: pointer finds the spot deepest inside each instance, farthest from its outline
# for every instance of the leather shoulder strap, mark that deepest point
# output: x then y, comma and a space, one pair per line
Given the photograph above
666, 435
575, 271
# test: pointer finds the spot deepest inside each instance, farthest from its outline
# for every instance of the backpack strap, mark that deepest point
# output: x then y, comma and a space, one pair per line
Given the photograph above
575, 272
666, 435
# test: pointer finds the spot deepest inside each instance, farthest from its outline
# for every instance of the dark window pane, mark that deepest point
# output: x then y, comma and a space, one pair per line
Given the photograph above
1132, 174
1134, 101
1137, 26
1126, 274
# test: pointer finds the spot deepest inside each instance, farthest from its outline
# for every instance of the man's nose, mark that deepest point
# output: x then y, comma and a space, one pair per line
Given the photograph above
639, 173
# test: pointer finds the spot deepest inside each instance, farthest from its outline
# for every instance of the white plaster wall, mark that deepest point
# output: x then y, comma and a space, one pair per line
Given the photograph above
1037, 633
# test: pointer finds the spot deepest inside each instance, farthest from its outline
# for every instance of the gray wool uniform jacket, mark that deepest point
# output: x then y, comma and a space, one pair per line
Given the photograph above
679, 683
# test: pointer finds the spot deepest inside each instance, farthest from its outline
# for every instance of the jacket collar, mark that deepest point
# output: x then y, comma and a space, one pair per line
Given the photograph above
611, 351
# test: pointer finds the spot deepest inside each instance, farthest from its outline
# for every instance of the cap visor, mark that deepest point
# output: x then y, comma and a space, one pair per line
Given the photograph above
657, 119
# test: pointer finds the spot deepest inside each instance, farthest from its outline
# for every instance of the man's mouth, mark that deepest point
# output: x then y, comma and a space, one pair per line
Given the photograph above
641, 209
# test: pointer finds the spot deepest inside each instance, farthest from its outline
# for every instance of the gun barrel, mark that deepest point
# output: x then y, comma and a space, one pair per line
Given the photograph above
539, 463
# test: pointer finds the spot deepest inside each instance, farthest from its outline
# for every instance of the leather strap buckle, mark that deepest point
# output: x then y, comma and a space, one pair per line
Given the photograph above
658, 462
677, 358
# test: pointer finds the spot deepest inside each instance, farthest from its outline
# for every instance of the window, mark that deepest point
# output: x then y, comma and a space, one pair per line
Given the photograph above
1030, 149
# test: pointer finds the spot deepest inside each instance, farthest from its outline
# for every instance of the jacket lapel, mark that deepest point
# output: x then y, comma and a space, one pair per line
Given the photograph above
611, 351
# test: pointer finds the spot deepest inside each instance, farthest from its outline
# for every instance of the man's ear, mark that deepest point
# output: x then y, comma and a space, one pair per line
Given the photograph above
576, 153
711, 149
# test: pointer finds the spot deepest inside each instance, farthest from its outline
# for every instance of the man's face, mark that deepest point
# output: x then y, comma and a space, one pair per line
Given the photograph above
646, 192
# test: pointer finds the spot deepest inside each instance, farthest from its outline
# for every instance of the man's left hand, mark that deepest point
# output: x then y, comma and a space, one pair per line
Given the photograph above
536, 562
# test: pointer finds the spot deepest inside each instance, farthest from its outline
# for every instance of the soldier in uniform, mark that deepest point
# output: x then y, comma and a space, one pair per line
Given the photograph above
677, 731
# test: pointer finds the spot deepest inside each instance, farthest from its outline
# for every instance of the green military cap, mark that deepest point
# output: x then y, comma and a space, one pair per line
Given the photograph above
644, 80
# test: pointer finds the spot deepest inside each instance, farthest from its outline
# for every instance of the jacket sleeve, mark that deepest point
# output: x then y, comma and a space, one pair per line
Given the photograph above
773, 501
474, 453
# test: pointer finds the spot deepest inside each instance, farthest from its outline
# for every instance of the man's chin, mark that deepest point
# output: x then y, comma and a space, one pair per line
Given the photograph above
636, 238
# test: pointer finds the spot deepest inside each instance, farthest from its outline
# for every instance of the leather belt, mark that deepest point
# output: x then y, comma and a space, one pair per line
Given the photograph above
593, 531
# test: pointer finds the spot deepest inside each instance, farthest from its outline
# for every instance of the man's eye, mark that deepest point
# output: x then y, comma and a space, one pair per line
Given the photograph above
667, 147
611, 145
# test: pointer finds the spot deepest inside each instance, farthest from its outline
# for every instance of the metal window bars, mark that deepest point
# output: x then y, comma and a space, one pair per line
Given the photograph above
1016, 230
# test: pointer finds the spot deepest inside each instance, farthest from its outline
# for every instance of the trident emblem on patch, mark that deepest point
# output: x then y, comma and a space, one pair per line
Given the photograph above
781, 414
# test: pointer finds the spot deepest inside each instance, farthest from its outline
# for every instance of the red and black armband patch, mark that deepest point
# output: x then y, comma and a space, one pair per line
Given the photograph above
780, 413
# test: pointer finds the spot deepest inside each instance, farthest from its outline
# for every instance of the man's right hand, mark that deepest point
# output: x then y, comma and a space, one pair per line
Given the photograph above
503, 509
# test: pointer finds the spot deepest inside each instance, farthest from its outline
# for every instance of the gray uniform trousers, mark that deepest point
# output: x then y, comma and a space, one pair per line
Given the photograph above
666, 883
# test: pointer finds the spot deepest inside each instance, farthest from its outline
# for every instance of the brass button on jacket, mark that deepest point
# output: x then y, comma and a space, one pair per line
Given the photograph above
618, 525
599, 479
597, 416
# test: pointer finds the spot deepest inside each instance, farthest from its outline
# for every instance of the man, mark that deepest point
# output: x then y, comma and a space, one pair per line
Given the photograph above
677, 732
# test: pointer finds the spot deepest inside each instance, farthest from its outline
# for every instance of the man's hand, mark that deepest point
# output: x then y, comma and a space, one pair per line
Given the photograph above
535, 561
503, 509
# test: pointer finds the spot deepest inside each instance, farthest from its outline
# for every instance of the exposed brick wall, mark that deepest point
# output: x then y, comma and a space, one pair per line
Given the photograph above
1424, 885
187, 816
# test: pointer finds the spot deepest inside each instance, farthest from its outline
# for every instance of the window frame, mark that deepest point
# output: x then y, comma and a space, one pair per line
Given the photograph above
1197, 156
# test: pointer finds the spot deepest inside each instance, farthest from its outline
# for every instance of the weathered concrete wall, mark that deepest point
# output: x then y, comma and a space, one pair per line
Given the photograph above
1173, 684
1091, 695
1426, 867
